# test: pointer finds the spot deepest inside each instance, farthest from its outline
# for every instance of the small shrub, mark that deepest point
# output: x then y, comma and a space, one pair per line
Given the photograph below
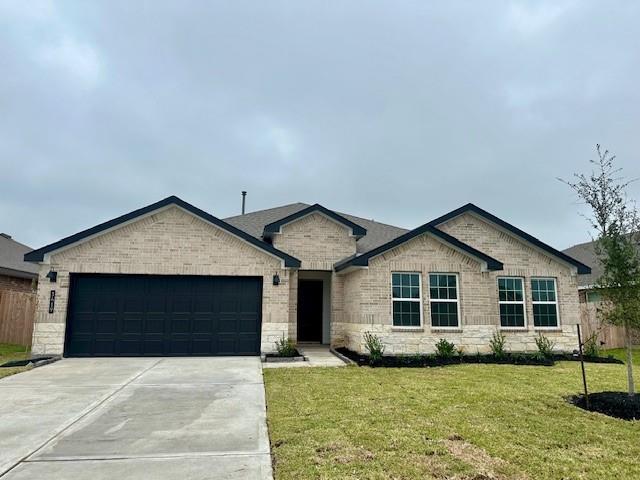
286, 347
374, 346
497, 345
445, 349
545, 347
591, 347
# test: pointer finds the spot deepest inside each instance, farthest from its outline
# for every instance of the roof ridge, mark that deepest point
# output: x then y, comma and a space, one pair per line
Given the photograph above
268, 209
372, 220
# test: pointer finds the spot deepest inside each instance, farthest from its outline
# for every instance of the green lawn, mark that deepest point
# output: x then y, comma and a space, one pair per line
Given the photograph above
621, 353
10, 352
458, 422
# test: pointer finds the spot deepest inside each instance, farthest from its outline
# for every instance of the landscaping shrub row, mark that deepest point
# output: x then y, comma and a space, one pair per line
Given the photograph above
416, 361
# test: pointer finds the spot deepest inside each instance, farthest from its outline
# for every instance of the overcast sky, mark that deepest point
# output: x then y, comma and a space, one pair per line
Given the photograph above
393, 110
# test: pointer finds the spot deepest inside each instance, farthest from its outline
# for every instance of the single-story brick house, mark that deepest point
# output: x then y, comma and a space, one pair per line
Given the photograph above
171, 279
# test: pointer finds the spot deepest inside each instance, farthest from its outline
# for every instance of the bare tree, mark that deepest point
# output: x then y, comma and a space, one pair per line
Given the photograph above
615, 219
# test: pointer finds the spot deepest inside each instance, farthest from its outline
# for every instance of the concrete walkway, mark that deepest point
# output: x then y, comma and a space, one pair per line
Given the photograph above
147, 418
317, 355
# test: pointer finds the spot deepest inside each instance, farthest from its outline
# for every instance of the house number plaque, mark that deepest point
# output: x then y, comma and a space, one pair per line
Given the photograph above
52, 301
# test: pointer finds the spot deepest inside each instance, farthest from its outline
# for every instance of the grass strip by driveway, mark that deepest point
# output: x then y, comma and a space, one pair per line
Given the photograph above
9, 352
460, 422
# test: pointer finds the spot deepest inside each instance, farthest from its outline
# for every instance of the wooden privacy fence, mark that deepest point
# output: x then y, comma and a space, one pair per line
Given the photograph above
612, 336
17, 312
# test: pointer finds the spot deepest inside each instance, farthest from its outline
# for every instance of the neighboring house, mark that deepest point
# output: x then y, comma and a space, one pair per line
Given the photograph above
171, 279
610, 336
17, 292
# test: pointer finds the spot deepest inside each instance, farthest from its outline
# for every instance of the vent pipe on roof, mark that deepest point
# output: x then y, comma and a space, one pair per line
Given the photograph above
244, 197
6, 235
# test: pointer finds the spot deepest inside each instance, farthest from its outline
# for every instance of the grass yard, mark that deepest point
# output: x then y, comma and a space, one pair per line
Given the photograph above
621, 354
475, 422
10, 352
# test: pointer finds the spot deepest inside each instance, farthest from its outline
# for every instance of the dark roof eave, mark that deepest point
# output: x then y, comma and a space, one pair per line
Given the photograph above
12, 272
38, 255
274, 227
470, 207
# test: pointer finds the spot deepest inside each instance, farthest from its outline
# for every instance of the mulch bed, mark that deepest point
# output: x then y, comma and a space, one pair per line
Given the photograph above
419, 361
613, 404
274, 357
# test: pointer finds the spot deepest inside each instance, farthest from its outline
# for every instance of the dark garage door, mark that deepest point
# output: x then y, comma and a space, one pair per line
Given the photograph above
153, 315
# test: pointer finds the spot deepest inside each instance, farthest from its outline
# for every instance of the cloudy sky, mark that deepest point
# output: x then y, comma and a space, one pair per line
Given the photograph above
393, 110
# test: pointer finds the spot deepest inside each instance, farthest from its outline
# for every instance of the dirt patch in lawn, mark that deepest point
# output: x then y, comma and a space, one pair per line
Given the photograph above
341, 453
488, 467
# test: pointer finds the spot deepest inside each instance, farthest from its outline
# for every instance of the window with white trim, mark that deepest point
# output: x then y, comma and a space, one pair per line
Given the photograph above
511, 302
545, 302
443, 298
407, 304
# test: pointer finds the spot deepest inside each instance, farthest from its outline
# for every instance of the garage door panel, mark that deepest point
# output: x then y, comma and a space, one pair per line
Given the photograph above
247, 325
84, 323
106, 324
153, 348
105, 347
248, 344
154, 324
203, 325
133, 304
132, 325
107, 303
143, 315
129, 347
203, 303
202, 346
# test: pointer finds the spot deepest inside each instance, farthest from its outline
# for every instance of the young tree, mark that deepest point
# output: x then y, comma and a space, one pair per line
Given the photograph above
615, 219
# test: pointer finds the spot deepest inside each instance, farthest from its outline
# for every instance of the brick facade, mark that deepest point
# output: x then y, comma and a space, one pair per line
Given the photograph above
169, 242
317, 241
367, 293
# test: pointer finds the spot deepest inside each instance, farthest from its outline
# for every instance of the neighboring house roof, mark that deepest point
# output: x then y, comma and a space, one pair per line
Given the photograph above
38, 255
276, 227
470, 207
585, 252
12, 259
363, 260
376, 233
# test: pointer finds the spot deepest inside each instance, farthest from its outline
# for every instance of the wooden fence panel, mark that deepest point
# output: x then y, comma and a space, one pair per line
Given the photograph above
17, 313
612, 336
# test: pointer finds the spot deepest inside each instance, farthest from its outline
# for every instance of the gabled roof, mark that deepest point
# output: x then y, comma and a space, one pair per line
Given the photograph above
38, 255
470, 207
12, 259
363, 260
275, 227
378, 233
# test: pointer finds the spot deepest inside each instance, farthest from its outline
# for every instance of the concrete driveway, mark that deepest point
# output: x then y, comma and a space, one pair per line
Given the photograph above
146, 418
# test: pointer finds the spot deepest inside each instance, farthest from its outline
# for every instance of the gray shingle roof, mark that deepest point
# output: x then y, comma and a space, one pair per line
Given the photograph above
377, 233
12, 259
585, 253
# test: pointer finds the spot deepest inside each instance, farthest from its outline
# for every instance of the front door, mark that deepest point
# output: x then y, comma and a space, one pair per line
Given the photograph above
310, 311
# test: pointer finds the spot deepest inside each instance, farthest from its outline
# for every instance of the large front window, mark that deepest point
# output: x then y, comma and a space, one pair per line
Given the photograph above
545, 302
407, 305
443, 297
511, 300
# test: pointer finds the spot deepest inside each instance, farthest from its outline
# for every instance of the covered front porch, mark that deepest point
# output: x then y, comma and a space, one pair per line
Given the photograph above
310, 322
